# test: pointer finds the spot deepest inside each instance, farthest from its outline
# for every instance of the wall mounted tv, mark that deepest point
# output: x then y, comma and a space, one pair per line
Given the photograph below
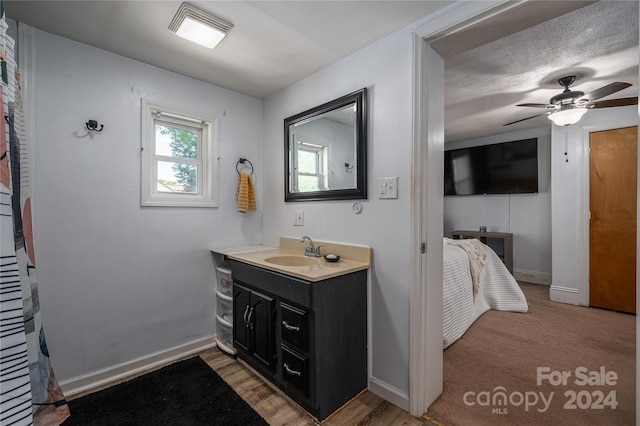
502, 168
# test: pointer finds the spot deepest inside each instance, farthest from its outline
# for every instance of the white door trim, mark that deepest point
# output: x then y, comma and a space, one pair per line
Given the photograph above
425, 358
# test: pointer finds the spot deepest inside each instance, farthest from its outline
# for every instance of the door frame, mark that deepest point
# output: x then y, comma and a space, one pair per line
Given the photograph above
584, 287
427, 194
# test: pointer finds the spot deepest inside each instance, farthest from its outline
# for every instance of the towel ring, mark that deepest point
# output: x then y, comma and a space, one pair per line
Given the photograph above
243, 161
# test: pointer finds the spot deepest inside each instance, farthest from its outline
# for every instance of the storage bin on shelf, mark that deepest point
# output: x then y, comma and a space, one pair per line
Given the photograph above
224, 337
225, 307
225, 283
224, 310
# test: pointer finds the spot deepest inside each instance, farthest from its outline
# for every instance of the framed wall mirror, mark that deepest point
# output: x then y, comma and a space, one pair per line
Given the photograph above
326, 151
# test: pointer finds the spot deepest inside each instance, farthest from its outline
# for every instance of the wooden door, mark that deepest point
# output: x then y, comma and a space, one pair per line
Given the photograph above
613, 195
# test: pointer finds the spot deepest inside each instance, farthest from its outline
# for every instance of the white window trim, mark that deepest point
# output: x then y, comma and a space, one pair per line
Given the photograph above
207, 195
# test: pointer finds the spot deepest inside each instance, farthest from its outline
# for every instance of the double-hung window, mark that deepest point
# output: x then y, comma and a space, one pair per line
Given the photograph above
179, 152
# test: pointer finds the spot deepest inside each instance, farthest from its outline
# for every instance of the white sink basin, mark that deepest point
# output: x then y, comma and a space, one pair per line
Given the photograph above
290, 260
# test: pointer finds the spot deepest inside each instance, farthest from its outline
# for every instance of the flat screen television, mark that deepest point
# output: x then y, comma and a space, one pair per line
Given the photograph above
502, 168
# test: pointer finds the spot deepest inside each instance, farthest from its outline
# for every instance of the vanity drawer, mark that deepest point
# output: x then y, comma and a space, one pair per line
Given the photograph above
296, 290
295, 370
294, 326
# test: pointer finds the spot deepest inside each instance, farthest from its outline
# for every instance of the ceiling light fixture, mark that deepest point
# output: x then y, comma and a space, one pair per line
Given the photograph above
198, 26
567, 115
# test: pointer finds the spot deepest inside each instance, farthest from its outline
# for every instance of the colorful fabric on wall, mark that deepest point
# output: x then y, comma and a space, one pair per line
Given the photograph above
30, 392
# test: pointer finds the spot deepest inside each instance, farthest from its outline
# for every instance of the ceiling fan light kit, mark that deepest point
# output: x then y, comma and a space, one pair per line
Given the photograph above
567, 116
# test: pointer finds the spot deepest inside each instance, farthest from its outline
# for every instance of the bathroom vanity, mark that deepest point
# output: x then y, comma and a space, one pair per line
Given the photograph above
301, 322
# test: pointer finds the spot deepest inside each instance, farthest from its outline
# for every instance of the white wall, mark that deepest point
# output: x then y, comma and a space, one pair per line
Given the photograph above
570, 200
118, 281
527, 216
385, 69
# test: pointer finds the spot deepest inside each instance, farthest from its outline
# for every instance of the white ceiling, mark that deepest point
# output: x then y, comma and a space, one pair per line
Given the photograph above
275, 43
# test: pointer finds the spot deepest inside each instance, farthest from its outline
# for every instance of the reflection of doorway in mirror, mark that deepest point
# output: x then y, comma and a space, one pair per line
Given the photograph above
311, 166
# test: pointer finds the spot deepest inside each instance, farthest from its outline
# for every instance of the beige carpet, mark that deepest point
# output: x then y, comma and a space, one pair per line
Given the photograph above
504, 349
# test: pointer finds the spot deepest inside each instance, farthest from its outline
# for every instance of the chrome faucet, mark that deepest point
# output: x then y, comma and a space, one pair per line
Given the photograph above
309, 249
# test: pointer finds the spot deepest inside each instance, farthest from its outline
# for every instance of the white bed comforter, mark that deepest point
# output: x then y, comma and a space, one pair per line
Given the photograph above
498, 290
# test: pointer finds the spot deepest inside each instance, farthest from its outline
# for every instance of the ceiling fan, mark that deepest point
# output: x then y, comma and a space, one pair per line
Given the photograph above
570, 105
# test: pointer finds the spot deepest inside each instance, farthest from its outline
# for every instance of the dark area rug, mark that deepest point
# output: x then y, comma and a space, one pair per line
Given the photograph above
188, 392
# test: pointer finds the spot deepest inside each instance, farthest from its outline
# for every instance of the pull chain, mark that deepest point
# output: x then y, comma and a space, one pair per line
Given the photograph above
566, 145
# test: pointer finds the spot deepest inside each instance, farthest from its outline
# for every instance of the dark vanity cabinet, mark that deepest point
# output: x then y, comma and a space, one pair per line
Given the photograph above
254, 333
308, 338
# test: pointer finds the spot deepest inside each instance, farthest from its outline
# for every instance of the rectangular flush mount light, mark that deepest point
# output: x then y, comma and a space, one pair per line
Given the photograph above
198, 26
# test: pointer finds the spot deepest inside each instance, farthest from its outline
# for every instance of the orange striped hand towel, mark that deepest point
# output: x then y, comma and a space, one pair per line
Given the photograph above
246, 194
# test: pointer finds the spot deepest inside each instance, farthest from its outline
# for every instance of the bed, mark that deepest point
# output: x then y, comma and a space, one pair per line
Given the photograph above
495, 289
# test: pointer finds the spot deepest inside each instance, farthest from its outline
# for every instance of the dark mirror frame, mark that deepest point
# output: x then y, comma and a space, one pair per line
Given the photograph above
360, 191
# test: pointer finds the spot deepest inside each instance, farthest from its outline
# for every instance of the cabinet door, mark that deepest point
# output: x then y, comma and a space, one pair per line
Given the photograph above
262, 324
241, 308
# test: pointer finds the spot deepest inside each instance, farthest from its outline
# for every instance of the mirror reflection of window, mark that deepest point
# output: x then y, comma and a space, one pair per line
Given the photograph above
333, 134
311, 166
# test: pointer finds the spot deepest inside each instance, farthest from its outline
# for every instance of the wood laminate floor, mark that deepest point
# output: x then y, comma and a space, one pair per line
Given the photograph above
277, 410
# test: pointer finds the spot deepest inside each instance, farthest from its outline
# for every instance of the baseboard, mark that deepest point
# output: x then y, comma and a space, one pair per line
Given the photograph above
389, 393
118, 373
564, 295
534, 277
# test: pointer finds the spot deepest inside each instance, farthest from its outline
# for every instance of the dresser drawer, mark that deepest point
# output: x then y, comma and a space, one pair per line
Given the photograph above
294, 326
295, 370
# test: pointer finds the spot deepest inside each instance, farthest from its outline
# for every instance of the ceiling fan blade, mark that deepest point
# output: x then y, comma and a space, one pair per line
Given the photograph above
605, 91
614, 103
528, 118
537, 105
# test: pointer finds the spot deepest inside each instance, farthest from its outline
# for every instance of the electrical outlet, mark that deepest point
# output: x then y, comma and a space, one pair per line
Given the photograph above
388, 187
298, 219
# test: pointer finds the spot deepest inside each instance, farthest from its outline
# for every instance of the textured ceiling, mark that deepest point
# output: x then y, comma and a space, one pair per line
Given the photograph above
276, 43
598, 43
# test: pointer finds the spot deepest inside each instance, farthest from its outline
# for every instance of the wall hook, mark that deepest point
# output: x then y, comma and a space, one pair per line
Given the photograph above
92, 126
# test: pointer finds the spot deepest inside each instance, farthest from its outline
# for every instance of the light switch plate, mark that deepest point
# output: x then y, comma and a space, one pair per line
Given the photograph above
388, 187
298, 219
